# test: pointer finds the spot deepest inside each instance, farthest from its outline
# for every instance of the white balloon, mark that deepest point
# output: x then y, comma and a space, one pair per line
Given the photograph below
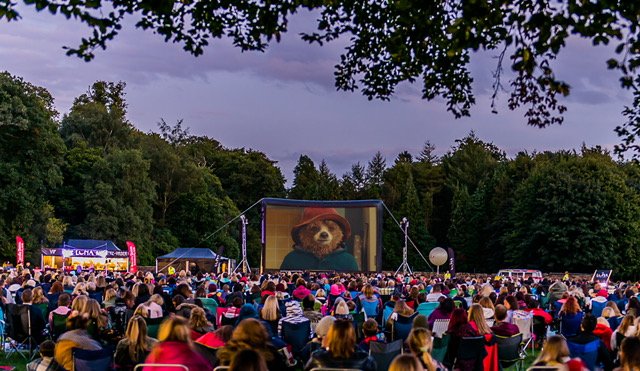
438, 256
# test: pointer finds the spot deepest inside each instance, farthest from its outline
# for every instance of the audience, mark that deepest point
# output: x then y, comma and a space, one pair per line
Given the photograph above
263, 320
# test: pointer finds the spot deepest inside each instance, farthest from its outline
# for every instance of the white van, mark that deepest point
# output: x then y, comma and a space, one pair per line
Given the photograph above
524, 274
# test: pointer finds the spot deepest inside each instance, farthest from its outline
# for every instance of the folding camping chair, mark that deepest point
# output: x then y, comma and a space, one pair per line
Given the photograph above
440, 326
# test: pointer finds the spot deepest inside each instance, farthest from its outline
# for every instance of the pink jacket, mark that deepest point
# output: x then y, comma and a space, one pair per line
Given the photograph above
301, 292
174, 352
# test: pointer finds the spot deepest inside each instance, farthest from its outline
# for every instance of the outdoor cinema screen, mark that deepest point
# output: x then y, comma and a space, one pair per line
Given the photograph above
322, 235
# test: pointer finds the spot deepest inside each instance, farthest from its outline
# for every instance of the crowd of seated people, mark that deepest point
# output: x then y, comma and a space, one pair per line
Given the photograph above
306, 320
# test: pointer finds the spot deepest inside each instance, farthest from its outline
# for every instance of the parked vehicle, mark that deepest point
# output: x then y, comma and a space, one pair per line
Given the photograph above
536, 275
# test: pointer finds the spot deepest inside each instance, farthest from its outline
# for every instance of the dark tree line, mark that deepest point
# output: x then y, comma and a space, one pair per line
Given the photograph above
92, 174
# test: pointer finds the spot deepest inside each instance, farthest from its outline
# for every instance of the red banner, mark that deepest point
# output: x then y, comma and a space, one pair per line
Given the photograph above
19, 250
133, 257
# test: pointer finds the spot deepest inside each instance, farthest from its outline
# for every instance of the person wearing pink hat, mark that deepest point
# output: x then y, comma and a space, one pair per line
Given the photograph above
319, 242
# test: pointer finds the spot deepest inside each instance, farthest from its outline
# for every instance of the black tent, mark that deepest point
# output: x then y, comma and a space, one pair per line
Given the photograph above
189, 257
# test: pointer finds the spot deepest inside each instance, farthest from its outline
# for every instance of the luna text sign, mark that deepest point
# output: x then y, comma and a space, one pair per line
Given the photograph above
84, 253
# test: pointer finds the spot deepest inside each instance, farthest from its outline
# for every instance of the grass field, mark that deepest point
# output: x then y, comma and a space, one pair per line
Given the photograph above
14, 360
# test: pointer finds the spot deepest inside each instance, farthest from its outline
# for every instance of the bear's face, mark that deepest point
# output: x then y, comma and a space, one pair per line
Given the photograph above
321, 237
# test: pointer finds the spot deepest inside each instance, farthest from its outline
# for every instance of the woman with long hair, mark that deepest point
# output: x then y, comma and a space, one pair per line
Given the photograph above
38, 296
110, 297
251, 334
135, 346
79, 302
570, 317
339, 350
488, 309
175, 347
554, 353
630, 354
420, 343
459, 327
478, 321
626, 329
198, 323
80, 289
401, 309
511, 303
270, 313
406, 362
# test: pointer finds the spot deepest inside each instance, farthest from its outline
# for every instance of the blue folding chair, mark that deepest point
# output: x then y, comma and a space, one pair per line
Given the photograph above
570, 325
296, 334
588, 352
427, 308
386, 313
92, 360
597, 307
384, 353
401, 327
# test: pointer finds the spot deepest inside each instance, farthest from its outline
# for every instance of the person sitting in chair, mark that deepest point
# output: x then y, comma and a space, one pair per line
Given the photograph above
46, 361
501, 327
586, 336
36, 317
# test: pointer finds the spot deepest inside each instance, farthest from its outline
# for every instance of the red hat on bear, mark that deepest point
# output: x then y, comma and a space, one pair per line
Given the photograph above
311, 214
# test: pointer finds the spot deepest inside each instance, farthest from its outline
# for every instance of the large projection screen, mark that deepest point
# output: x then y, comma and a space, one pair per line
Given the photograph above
341, 236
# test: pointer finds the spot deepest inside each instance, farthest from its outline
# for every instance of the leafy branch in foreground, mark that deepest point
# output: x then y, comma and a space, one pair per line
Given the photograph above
391, 42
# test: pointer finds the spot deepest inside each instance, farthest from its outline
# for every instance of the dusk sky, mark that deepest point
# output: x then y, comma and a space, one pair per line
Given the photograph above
283, 102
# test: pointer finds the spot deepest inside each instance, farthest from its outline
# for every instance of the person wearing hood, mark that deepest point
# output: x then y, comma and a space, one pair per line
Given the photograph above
301, 291
556, 290
247, 311
176, 347
603, 331
295, 315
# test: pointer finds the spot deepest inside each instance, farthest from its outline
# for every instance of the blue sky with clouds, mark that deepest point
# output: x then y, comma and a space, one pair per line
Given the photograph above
283, 101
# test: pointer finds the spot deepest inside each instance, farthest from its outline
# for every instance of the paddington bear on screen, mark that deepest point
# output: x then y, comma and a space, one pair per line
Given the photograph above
319, 240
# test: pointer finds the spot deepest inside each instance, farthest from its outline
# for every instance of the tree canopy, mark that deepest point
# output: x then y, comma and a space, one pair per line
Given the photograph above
391, 42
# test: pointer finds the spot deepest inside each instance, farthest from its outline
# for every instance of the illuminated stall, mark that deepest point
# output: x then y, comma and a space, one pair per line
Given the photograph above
96, 255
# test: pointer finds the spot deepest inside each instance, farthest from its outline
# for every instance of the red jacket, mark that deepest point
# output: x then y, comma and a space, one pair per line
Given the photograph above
604, 333
176, 353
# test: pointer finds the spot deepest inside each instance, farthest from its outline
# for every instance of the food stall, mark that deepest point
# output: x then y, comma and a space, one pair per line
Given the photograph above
98, 255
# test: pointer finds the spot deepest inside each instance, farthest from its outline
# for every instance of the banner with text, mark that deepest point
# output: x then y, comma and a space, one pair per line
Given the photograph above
133, 257
19, 250
452, 262
602, 276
